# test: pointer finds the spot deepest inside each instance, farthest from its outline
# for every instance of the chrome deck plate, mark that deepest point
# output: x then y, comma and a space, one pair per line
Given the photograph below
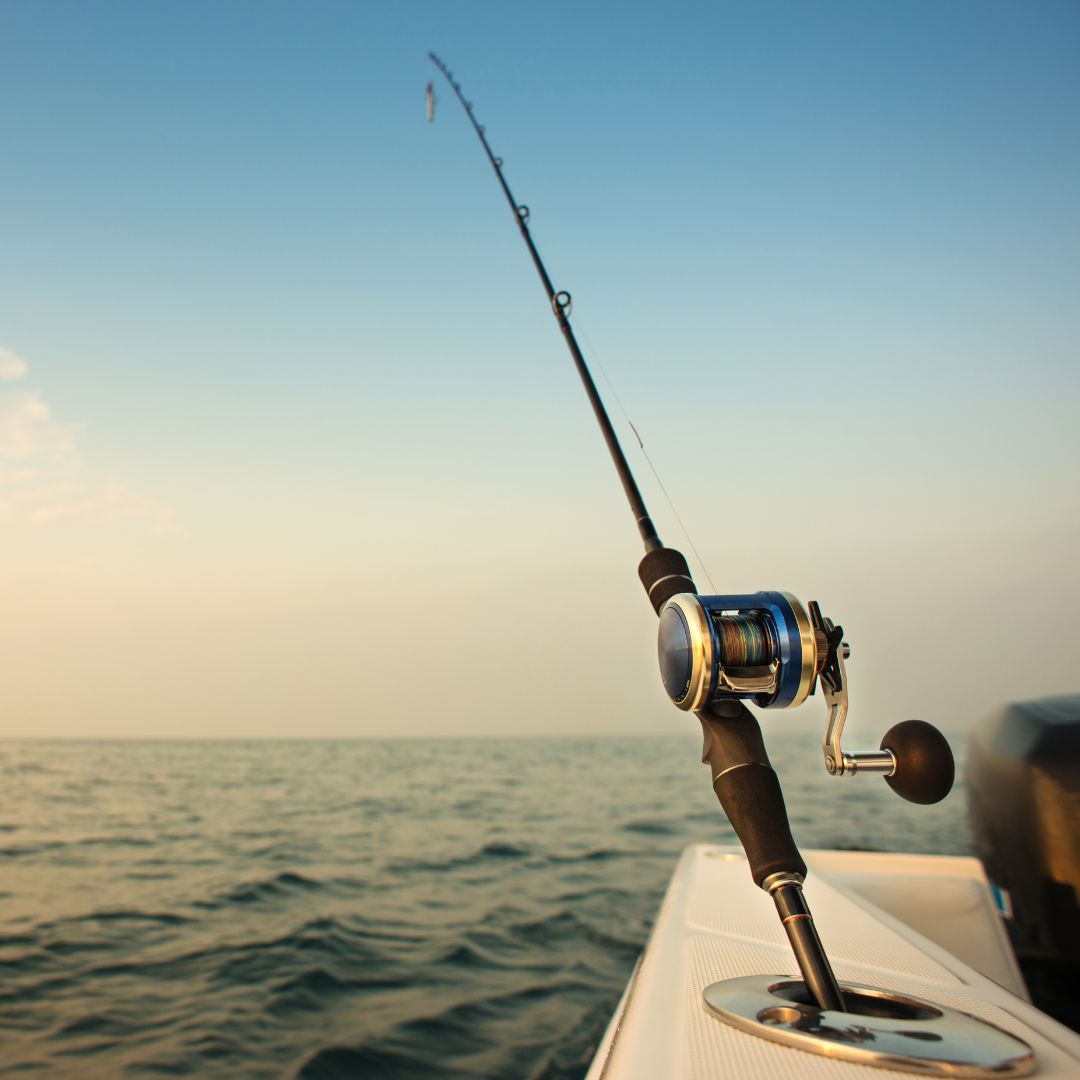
881, 1028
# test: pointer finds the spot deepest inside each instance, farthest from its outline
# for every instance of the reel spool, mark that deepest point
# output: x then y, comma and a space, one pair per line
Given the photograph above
768, 648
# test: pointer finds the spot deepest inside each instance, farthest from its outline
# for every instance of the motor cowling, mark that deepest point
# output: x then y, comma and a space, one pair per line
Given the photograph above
1024, 807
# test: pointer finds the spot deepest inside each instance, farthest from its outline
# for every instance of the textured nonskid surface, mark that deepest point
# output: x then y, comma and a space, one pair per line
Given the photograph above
852, 933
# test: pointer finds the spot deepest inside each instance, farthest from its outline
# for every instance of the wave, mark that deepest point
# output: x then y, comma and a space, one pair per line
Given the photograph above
283, 884
97, 1023
567, 925
603, 854
652, 827
15, 851
315, 987
445, 1044
491, 852
349, 1063
124, 915
18, 851
107, 915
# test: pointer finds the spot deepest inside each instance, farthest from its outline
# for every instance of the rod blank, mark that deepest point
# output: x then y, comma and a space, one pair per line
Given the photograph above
560, 306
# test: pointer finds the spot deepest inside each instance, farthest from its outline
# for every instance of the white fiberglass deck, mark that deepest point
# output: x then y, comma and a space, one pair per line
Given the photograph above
715, 924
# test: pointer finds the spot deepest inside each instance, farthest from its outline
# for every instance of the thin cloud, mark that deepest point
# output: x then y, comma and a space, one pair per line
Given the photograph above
43, 477
12, 365
29, 433
33, 495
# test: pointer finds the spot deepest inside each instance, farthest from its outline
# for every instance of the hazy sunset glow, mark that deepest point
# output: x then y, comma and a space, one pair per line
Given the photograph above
289, 444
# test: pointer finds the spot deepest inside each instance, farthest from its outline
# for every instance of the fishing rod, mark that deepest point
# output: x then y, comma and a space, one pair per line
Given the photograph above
560, 305
717, 652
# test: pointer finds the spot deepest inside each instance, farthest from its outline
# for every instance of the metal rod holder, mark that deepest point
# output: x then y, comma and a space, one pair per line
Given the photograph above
876, 1027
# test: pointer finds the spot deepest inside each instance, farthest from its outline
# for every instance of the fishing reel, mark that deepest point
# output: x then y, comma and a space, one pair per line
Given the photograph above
768, 648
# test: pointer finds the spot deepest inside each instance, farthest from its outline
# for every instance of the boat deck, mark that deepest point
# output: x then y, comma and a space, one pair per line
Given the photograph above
921, 925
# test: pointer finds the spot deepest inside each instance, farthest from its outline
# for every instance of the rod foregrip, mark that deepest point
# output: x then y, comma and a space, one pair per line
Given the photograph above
749, 790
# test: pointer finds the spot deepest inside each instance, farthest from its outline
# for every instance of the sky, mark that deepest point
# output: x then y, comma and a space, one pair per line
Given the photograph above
290, 444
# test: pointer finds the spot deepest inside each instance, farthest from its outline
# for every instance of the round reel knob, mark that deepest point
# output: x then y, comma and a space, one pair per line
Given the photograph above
925, 769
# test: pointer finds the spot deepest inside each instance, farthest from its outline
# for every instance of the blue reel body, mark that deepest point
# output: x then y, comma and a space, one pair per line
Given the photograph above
749, 645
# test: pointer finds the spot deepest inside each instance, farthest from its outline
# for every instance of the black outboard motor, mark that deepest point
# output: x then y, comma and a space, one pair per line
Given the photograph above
1024, 806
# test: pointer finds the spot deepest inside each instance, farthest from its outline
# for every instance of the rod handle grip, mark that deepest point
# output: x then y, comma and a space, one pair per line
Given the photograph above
749, 791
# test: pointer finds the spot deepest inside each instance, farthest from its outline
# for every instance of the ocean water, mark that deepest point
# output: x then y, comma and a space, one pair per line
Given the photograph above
399, 909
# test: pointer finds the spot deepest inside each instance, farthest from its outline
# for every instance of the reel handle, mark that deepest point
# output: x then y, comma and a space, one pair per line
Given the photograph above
925, 768
915, 758
749, 790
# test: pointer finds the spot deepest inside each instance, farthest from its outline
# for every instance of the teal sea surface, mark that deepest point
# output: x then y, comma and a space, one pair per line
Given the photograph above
399, 909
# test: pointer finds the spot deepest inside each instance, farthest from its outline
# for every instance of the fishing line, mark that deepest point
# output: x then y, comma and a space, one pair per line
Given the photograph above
744, 641
595, 359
